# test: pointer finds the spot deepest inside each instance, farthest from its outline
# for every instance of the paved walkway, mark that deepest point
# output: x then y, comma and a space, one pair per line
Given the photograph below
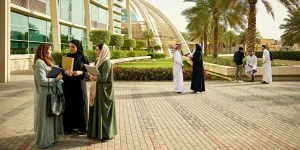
150, 116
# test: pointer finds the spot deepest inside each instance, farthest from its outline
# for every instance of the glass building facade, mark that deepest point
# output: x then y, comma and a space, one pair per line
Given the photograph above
28, 31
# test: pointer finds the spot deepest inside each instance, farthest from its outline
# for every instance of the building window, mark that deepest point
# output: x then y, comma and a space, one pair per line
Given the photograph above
72, 11
69, 33
27, 33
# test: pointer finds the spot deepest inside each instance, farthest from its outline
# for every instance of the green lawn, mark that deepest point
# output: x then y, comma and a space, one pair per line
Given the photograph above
148, 63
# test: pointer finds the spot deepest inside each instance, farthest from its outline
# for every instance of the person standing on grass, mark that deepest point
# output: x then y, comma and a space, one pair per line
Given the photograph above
178, 70
238, 59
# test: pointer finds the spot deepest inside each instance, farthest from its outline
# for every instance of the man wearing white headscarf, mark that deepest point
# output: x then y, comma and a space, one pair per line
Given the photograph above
267, 70
102, 115
178, 69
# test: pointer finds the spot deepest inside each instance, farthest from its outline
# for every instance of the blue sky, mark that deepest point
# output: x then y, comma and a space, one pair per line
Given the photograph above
268, 27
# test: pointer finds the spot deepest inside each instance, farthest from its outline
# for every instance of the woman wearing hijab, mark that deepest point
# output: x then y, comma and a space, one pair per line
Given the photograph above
75, 116
198, 71
102, 114
46, 129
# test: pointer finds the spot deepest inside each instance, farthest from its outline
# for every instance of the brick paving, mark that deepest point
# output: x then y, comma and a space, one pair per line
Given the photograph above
150, 116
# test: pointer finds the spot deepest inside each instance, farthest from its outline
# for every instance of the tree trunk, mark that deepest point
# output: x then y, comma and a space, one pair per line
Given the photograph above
251, 33
205, 40
230, 44
216, 35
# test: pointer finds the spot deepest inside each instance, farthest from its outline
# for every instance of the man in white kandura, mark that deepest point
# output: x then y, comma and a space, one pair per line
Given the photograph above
267, 72
251, 64
178, 69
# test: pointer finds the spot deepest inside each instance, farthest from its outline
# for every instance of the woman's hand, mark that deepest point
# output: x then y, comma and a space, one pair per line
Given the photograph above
93, 78
77, 73
69, 72
59, 77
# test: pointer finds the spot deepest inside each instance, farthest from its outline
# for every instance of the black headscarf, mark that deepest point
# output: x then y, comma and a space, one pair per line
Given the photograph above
198, 48
78, 44
198, 54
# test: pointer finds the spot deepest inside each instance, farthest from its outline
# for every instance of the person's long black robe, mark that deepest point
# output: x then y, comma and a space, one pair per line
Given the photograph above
75, 115
197, 84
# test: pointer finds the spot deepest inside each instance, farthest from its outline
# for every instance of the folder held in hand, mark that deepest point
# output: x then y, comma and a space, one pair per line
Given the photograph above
67, 63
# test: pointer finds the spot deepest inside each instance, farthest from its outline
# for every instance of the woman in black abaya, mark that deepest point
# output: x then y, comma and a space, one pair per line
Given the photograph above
198, 71
75, 116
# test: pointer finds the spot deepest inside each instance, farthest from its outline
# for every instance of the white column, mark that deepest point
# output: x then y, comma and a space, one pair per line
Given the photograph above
54, 10
111, 17
4, 40
129, 19
87, 12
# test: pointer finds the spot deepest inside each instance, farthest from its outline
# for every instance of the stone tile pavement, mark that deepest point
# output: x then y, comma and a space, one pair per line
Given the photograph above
150, 116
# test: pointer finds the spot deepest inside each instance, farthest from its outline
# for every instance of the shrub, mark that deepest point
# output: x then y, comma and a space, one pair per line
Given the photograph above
91, 55
116, 54
157, 47
100, 36
129, 43
152, 74
116, 40
57, 56
141, 44
284, 55
156, 56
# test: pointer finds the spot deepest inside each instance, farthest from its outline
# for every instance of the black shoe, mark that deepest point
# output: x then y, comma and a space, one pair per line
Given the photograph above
178, 92
82, 133
106, 139
264, 82
252, 80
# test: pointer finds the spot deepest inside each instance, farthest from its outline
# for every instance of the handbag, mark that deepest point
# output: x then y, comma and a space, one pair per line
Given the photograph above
55, 101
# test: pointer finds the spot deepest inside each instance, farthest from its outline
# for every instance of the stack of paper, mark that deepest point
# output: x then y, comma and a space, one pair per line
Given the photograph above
67, 63
92, 69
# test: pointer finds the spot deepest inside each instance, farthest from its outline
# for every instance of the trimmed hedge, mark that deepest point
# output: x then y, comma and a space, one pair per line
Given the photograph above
156, 47
129, 43
284, 55
116, 40
157, 56
91, 55
57, 56
100, 36
141, 44
152, 74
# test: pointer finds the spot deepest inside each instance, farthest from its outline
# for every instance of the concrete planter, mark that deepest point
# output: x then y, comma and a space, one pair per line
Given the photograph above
121, 60
282, 73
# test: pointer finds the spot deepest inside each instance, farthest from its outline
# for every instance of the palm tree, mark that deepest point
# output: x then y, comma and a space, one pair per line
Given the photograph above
149, 36
291, 28
229, 38
200, 22
251, 37
242, 38
214, 13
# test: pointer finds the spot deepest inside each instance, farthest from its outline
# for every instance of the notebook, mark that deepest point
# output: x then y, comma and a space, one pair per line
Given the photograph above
92, 69
67, 63
54, 72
